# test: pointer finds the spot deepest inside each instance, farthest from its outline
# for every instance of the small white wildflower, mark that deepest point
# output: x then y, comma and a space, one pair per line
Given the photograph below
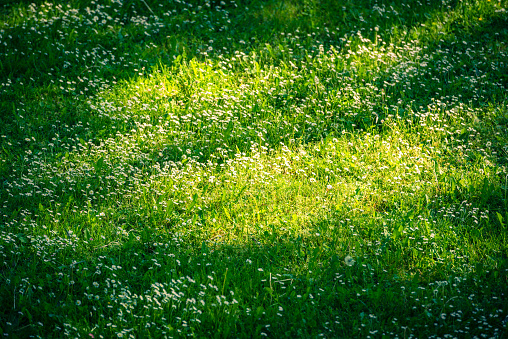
349, 260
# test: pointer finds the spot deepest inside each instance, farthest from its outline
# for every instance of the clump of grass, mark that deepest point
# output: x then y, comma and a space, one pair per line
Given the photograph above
257, 168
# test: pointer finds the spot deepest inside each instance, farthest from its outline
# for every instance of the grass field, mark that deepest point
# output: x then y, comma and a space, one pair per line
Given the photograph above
251, 168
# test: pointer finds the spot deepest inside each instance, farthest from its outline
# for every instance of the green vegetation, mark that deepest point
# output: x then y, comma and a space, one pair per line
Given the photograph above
254, 168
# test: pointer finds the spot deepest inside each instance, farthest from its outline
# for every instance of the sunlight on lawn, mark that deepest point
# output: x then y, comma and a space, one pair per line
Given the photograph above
248, 169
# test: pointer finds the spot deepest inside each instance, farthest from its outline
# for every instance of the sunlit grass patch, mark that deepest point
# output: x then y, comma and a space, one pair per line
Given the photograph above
249, 169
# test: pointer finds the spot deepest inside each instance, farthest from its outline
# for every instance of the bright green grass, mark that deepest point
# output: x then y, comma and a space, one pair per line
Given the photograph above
254, 168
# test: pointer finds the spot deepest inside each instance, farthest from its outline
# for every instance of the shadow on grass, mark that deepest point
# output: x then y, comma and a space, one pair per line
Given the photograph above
305, 276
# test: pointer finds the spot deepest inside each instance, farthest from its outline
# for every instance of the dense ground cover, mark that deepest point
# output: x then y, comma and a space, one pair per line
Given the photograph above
254, 168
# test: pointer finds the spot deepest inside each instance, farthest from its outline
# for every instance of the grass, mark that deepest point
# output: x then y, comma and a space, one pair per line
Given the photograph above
254, 168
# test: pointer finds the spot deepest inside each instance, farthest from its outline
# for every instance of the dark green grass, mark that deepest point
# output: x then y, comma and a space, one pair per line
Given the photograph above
253, 168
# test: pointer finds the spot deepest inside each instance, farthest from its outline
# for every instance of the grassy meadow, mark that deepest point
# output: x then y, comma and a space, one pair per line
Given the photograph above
254, 168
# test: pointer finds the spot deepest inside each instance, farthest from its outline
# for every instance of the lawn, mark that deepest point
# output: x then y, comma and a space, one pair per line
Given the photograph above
254, 168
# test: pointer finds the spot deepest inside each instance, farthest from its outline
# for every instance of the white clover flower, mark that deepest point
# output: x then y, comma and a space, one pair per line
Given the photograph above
349, 260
